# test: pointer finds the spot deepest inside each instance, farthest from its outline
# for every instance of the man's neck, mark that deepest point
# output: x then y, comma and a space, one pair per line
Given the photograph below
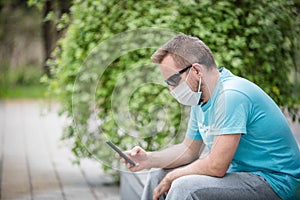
211, 81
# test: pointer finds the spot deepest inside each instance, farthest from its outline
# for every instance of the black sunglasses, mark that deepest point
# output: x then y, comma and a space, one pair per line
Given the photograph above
175, 78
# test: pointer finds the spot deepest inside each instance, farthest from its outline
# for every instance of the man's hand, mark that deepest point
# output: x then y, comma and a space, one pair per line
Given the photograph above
139, 156
163, 187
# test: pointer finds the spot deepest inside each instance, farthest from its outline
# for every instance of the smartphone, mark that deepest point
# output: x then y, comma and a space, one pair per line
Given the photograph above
121, 153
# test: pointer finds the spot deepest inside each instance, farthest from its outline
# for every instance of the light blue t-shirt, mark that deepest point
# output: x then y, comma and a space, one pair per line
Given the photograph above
267, 146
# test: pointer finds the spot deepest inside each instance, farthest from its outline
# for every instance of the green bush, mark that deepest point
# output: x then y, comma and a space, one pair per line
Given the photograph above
256, 40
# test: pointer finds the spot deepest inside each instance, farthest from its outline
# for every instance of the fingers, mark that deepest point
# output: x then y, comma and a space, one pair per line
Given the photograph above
135, 150
132, 154
157, 193
125, 162
128, 165
134, 168
121, 159
162, 188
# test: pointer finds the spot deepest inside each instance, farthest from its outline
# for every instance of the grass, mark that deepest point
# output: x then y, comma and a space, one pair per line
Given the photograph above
23, 92
21, 83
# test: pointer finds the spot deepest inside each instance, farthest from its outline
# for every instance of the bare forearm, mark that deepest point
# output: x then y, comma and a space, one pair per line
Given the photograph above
200, 167
216, 163
173, 156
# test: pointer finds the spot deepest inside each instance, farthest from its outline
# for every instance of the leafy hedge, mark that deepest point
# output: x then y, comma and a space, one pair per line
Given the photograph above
256, 40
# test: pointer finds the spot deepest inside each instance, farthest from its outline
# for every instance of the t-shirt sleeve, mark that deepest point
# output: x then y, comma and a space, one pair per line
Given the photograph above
193, 129
231, 114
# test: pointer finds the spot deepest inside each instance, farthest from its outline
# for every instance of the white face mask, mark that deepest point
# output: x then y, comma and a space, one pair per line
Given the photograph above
185, 95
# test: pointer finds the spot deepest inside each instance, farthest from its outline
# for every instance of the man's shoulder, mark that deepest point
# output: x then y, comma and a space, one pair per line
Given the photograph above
242, 86
240, 90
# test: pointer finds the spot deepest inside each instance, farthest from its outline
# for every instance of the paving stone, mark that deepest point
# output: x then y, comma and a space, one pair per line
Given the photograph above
15, 183
35, 164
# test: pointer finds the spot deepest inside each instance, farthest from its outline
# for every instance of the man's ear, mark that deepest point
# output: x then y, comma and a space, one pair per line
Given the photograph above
197, 69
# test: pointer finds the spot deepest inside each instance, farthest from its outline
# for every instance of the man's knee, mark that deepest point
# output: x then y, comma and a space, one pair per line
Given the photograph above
182, 188
191, 187
231, 187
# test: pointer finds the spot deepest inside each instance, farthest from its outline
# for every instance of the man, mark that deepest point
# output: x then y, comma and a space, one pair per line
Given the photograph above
252, 151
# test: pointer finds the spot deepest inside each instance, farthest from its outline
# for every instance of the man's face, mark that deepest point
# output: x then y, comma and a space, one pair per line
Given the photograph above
168, 68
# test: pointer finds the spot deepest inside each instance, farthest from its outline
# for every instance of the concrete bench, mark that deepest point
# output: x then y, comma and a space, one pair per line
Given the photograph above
132, 185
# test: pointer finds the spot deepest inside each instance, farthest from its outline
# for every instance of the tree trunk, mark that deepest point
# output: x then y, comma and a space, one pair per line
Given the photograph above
49, 36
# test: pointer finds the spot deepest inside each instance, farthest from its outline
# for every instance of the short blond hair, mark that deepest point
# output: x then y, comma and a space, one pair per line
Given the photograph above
185, 50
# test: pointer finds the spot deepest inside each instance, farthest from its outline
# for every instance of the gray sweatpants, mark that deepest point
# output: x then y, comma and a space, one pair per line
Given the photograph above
233, 186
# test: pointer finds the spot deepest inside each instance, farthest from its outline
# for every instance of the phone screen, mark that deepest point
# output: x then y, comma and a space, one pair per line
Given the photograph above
121, 153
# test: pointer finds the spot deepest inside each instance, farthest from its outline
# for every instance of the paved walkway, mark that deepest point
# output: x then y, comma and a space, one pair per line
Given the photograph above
35, 164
